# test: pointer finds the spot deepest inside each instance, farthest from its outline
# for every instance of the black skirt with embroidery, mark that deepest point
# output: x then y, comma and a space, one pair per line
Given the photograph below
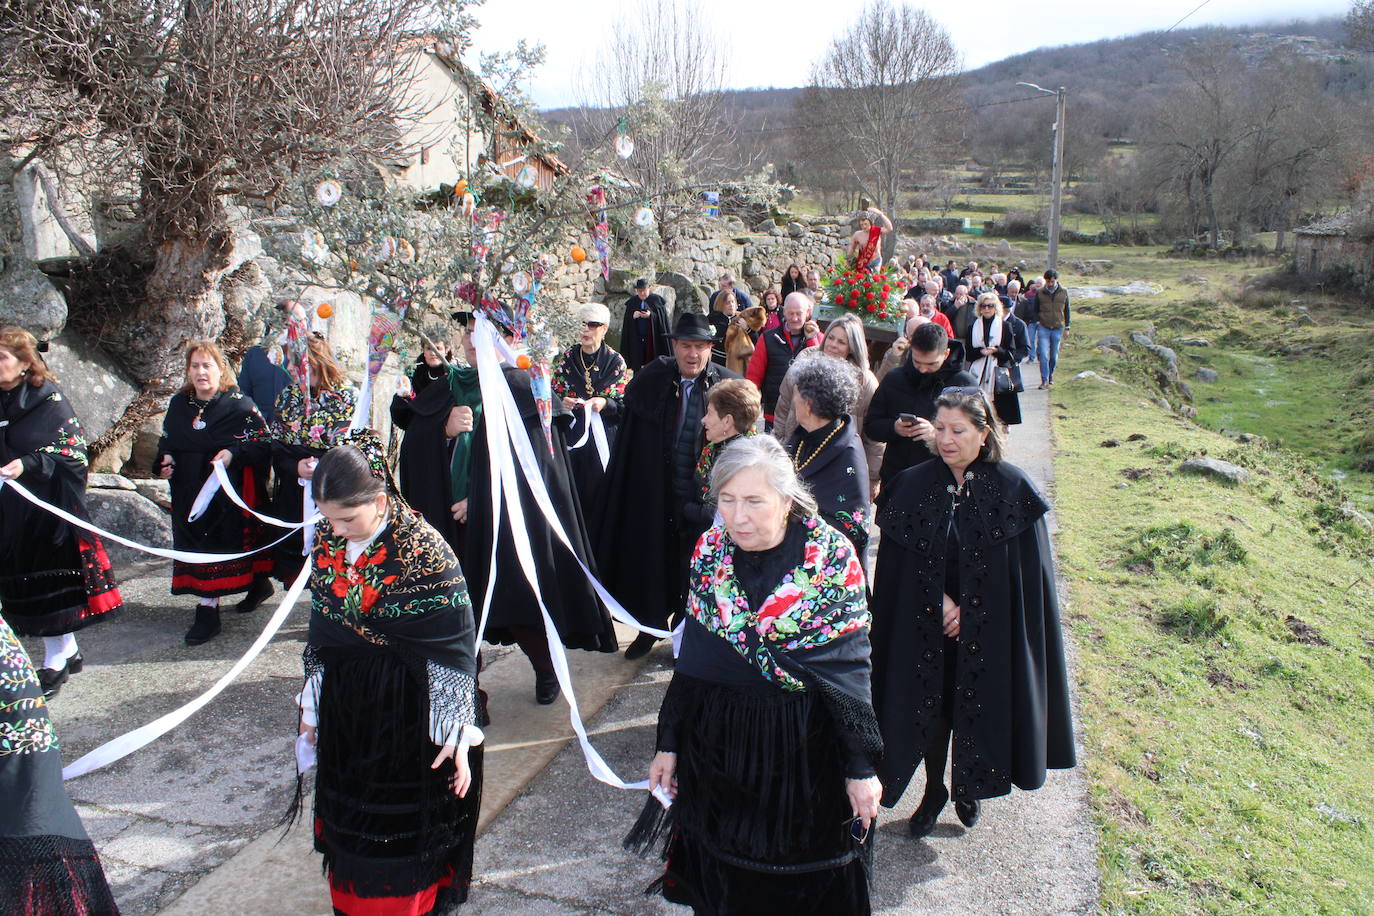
762, 819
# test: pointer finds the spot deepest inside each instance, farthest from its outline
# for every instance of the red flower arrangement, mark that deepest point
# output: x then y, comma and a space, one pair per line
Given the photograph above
867, 293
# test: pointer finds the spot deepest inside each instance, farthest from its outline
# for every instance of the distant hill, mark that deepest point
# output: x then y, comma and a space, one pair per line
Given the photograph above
1112, 78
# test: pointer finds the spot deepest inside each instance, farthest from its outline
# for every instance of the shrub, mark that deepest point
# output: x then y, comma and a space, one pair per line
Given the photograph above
1181, 545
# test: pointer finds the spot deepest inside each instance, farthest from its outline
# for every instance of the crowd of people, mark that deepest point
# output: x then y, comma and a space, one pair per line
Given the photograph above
736, 502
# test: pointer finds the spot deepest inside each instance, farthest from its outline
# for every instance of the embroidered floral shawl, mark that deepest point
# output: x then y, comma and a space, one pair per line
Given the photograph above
818, 604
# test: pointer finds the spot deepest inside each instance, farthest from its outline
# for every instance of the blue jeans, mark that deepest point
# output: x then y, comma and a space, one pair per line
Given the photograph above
1032, 335
1047, 351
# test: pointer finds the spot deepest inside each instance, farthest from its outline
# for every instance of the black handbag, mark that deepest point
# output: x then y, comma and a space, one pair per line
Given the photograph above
1001, 381
1017, 384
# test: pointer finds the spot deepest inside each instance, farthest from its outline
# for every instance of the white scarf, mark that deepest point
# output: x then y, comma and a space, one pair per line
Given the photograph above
984, 368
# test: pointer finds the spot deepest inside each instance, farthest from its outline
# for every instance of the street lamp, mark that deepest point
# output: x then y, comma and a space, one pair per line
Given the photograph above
1056, 169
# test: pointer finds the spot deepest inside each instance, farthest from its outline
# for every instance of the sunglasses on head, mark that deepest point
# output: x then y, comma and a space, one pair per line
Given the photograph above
970, 390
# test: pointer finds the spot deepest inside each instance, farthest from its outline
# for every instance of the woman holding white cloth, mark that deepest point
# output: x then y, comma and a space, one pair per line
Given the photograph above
991, 345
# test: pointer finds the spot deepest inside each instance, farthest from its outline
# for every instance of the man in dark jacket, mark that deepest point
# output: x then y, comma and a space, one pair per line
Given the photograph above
777, 348
904, 404
644, 332
643, 543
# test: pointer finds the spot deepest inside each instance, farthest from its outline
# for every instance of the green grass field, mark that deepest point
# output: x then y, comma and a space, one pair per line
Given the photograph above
1224, 665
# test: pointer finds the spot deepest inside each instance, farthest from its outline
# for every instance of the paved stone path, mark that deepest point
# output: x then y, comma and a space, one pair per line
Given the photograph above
187, 826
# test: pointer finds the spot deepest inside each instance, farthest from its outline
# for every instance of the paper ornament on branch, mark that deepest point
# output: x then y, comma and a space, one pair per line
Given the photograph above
644, 217
328, 193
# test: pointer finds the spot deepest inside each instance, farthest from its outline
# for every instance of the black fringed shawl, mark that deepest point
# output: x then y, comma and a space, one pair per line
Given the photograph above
757, 669
393, 636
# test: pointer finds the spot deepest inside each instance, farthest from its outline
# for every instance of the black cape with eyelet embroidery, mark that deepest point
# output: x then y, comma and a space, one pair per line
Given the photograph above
1011, 717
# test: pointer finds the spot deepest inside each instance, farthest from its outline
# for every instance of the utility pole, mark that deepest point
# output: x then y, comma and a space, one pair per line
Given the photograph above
1056, 170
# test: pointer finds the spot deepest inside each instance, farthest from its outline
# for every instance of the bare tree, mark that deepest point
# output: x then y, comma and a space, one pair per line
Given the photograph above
664, 74
1359, 25
206, 98
1197, 130
873, 93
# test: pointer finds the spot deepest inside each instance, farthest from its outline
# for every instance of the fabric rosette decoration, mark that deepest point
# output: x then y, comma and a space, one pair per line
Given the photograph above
872, 295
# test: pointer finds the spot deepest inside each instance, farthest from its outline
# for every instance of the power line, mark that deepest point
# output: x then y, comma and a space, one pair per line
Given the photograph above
1180, 22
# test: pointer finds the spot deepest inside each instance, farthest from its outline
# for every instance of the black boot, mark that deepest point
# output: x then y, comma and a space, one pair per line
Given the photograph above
260, 591
546, 687
641, 646
968, 812
206, 626
928, 811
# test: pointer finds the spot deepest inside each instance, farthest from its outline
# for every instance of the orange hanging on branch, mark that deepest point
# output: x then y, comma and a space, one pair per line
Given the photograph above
325, 310
578, 254
523, 361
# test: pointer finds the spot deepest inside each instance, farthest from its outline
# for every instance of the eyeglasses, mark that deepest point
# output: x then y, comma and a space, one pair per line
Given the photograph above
595, 324
970, 390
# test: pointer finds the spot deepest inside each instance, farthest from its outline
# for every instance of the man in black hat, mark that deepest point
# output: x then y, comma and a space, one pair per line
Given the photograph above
644, 333
643, 543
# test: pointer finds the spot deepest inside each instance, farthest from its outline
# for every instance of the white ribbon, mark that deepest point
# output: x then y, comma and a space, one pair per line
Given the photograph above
309, 511
144, 735
594, 427
184, 556
504, 425
219, 480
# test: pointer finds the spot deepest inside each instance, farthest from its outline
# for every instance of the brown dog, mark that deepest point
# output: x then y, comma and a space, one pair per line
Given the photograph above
740, 337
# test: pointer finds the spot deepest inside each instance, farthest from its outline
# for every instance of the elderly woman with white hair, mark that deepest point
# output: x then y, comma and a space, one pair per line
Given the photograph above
591, 376
767, 741
844, 339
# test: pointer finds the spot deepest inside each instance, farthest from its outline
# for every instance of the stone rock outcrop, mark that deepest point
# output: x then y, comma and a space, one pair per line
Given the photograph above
1224, 471
127, 513
97, 388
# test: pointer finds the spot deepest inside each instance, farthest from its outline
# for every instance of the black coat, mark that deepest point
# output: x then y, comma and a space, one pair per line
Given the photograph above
1012, 348
1011, 717
644, 339
426, 452
837, 476
582, 621
639, 544
908, 390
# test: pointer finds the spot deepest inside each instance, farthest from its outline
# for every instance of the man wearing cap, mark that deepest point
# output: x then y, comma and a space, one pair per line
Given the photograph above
590, 376
644, 333
643, 542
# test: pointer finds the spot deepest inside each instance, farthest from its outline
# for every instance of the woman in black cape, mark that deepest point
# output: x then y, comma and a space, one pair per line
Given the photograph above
766, 737
390, 703
826, 447
966, 623
433, 460
209, 419
582, 621
55, 578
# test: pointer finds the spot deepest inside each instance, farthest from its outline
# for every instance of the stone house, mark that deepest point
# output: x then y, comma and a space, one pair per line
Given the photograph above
1332, 245
451, 137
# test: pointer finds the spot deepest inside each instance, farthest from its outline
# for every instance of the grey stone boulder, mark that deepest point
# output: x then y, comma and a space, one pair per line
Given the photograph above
1206, 375
155, 489
1355, 515
29, 300
109, 482
620, 281
1195, 342
686, 296
97, 388
1188, 412
135, 517
1111, 342
1224, 471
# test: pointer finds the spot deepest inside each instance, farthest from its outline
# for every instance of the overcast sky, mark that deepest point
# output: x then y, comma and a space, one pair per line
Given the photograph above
775, 41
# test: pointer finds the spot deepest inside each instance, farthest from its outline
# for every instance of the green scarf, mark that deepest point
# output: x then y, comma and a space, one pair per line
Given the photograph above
467, 392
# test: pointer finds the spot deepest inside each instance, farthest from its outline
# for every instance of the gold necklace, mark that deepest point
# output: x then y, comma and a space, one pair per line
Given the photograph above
587, 371
820, 448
